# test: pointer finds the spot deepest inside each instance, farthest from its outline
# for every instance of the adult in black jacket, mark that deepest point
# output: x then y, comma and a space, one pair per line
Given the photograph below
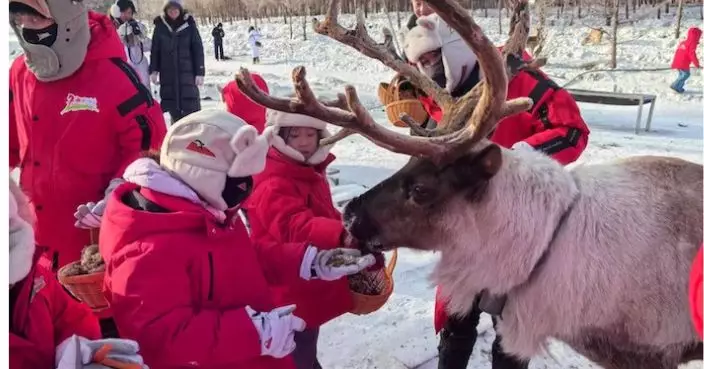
177, 61
218, 34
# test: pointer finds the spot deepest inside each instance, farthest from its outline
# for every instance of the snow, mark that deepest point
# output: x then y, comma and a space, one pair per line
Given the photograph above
401, 335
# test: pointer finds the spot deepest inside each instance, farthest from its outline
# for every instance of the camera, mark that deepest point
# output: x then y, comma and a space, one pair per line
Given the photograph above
136, 30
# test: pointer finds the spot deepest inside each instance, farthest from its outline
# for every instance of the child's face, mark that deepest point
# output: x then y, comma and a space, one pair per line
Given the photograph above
305, 140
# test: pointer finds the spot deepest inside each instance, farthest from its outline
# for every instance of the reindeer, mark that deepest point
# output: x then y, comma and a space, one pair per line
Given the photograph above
596, 256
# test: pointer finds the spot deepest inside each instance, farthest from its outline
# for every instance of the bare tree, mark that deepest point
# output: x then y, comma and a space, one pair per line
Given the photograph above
679, 18
614, 33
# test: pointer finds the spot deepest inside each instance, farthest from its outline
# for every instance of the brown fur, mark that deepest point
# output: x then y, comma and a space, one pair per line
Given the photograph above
614, 281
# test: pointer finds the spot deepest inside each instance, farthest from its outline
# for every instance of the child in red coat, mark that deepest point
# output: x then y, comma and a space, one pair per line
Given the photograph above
686, 55
291, 202
46, 324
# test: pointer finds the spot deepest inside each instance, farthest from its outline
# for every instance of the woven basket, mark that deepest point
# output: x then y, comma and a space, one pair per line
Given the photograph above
414, 108
367, 304
88, 288
385, 94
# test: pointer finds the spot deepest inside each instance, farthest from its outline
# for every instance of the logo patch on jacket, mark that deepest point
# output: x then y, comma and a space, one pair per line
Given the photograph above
78, 103
39, 283
199, 147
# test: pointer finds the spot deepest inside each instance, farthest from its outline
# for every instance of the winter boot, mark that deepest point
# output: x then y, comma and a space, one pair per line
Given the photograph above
502, 360
457, 340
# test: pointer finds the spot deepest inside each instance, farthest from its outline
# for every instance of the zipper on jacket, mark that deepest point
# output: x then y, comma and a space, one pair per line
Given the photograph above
212, 276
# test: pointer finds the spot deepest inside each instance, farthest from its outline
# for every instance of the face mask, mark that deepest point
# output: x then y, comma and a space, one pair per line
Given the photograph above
436, 72
237, 190
45, 36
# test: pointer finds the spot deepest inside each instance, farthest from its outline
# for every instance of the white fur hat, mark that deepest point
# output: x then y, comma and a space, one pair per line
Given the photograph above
206, 147
432, 33
21, 234
281, 120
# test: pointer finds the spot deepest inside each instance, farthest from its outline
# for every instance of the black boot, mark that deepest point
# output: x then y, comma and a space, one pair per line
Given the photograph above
502, 360
457, 340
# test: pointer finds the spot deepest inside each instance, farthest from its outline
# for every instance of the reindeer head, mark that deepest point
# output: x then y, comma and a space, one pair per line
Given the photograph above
450, 168
410, 208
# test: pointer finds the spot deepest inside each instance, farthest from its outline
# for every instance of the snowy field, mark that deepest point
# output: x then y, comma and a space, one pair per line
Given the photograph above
400, 335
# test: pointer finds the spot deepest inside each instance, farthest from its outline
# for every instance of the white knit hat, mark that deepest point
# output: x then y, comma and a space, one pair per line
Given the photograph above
21, 234
280, 120
432, 33
206, 147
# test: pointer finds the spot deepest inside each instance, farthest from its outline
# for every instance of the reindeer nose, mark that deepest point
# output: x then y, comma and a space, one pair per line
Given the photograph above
358, 222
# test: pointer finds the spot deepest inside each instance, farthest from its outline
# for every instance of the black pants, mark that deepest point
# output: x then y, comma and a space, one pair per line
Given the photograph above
219, 52
457, 339
306, 352
255, 60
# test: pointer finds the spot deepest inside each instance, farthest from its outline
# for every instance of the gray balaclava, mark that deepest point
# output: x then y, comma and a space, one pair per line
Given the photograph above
67, 53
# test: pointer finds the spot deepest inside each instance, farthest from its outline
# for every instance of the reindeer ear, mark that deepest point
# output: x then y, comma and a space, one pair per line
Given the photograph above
489, 160
475, 169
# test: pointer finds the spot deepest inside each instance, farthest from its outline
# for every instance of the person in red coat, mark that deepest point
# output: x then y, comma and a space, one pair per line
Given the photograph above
696, 289
291, 202
46, 323
553, 126
241, 106
78, 117
685, 56
182, 277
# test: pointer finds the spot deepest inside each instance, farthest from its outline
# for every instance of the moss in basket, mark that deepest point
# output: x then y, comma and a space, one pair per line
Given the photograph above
90, 262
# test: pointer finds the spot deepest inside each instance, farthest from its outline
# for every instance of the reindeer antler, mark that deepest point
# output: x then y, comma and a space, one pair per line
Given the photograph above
490, 107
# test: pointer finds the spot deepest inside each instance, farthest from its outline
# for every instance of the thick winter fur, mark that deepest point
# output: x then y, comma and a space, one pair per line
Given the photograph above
614, 282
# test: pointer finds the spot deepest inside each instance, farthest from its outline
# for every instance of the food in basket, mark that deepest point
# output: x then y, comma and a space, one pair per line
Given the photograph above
90, 262
368, 282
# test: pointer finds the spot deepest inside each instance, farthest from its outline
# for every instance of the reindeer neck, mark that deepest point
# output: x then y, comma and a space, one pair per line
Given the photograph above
503, 239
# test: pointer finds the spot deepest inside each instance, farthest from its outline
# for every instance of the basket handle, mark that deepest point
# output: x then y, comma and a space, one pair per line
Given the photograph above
392, 263
93, 235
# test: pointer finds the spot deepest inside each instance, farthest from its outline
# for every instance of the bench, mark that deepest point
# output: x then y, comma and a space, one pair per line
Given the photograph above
617, 98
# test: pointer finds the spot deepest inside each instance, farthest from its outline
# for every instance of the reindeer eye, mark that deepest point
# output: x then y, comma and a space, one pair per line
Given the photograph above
421, 193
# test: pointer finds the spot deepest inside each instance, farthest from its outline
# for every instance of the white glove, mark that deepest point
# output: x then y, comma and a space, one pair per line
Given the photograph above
154, 77
276, 329
79, 352
199, 80
321, 264
522, 146
89, 215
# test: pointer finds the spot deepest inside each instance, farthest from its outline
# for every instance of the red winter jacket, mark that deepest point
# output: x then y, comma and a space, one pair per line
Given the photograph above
695, 292
241, 106
43, 315
554, 126
72, 136
686, 53
292, 203
178, 283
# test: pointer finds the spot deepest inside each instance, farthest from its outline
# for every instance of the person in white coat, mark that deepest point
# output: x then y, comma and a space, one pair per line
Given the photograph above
254, 43
134, 36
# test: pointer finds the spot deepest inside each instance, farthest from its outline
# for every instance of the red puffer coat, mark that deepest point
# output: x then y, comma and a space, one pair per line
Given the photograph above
686, 53
554, 126
292, 203
695, 291
178, 283
72, 136
42, 316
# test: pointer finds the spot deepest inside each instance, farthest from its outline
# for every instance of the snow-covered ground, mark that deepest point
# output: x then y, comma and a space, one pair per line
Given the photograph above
400, 335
